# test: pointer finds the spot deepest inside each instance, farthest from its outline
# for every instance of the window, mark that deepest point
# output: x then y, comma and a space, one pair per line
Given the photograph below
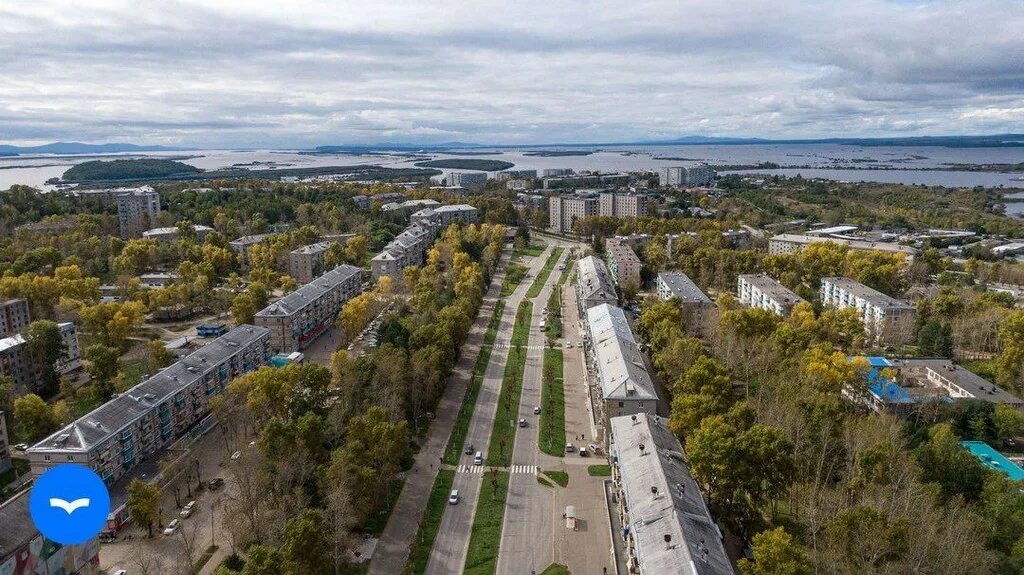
622, 404
46, 458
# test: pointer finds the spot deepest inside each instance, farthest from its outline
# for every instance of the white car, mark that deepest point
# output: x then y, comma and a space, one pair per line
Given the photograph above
121, 572
172, 527
236, 455
187, 510
453, 499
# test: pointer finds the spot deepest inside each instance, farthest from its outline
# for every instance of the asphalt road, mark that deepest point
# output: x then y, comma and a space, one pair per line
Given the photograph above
448, 554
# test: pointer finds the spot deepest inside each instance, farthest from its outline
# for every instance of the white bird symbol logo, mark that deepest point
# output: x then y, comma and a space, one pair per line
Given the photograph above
69, 507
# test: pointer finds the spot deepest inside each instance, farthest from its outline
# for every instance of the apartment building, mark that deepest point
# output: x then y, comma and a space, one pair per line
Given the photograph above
443, 216
305, 264
72, 358
408, 207
626, 385
792, 243
623, 264
695, 174
887, 320
170, 234
667, 525
242, 245
409, 248
5, 445
298, 318
594, 284
133, 427
14, 317
506, 175
468, 180
564, 211
761, 291
17, 363
622, 205
556, 172
362, 202
25, 551
137, 210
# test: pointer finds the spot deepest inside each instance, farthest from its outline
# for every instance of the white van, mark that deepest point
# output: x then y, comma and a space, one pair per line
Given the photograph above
478, 459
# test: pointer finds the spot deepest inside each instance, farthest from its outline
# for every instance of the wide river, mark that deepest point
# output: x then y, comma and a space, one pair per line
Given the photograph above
906, 165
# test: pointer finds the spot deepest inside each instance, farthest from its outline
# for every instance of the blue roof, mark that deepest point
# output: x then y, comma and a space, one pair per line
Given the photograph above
994, 460
883, 388
877, 361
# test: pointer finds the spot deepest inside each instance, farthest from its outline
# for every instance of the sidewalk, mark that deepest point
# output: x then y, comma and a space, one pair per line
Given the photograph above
392, 550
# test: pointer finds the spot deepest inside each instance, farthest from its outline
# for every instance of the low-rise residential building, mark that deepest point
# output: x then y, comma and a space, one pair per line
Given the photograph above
594, 285
307, 263
698, 309
443, 216
623, 264
409, 248
17, 363
886, 319
626, 385
71, 360
157, 279
137, 210
468, 180
792, 243
242, 245
5, 445
14, 317
761, 291
623, 205
24, 550
298, 318
898, 384
694, 174
122, 433
171, 234
666, 524
565, 210
362, 202
408, 207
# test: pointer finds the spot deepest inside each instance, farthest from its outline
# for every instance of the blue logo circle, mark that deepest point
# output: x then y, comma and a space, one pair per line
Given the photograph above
69, 504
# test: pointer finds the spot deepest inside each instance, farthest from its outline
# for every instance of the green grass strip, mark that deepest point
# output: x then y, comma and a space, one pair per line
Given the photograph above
485, 536
599, 470
551, 438
565, 274
431, 521
461, 427
559, 477
545, 272
556, 569
503, 434
532, 250
553, 329
514, 274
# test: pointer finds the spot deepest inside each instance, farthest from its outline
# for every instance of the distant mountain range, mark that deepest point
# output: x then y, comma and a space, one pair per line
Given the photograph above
79, 148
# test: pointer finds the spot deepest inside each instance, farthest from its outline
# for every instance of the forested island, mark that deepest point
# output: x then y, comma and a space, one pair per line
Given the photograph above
139, 169
467, 164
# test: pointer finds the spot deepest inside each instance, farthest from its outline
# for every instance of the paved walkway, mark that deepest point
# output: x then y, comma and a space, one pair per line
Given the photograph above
392, 550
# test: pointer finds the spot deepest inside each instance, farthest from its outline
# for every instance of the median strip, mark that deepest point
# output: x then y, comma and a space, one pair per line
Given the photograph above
545, 272
551, 438
504, 432
485, 536
431, 522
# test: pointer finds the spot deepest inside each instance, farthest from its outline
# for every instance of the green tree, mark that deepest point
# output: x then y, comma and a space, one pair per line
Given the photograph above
102, 363
776, 553
1008, 422
263, 560
304, 544
1010, 363
935, 339
47, 347
34, 416
243, 308
144, 504
953, 468
864, 539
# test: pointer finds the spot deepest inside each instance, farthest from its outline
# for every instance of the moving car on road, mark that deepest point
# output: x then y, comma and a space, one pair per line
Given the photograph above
453, 499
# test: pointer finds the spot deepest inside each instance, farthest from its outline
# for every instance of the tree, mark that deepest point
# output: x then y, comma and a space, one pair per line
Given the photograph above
953, 468
102, 363
35, 416
144, 504
263, 560
935, 339
355, 250
47, 348
1008, 422
1010, 364
243, 308
113, 322
864, 539
304, 544
776, 553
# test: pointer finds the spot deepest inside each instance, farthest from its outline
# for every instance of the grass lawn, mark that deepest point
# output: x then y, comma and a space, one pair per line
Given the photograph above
431, 521
599, 470
461, 427
551, 438
533, 250
485, 536
544, 481
553, 329
545, 272
131, 373
556, 569
503, 435
559, 477
204, 558
514, 274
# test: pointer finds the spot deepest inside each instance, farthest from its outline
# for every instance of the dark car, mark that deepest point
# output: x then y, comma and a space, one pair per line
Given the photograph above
216, 483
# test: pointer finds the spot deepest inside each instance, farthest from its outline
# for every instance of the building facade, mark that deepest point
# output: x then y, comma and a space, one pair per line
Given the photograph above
242, 245
24, 550
170, 234
14, 317
468, 180
17, 363
298, 318
697, 174
409, 248
72, 358
626, 385
305, 264
792, 243
119, 435
564, 211
667, 526
622, 205
761, 291
887, 320
137, 210
5, 444
623, 264
698, 309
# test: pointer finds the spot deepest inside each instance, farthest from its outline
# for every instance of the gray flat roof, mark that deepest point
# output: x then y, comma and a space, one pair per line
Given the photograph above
312, 248
106, 420
971, 382
683, 287
620, 251
677, 509
870, 295
772, 288
594, 280
18, 528
309, 293
620, 364
855, 244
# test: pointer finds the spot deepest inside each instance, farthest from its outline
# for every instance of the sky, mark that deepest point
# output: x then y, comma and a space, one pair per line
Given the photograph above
300, 73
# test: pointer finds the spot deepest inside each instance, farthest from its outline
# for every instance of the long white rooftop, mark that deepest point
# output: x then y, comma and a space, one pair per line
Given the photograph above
620, 364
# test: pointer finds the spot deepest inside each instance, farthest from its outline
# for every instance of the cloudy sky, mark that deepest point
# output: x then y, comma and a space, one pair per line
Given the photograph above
300, 73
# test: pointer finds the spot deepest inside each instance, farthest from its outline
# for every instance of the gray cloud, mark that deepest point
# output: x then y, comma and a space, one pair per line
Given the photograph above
306, 72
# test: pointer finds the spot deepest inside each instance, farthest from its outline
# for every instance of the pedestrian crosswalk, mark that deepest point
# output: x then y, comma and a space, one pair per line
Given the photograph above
480, 469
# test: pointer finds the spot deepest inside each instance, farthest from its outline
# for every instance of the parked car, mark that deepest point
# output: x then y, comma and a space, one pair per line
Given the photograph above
568, 345
21, 447
453, 499
121, 572
468, 450
583, 453
522, 422
187, 510
536, 410
236, 455
172, 527
216, 483
569, 448
593, 448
